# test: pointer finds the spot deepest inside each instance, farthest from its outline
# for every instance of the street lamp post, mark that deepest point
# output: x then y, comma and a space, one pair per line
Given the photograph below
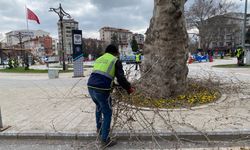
61, 13
247, 52
244, 26
1, 54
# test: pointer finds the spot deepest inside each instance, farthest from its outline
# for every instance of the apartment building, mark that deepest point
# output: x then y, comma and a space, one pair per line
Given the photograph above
12, 37
124, 36
68, 26
228, 34
40, 46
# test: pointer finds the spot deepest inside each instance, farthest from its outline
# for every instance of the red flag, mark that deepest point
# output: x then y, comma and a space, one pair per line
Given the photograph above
32, 16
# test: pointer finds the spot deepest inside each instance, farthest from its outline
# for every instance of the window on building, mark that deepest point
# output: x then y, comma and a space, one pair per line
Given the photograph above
214, 44
229, 43
228, 37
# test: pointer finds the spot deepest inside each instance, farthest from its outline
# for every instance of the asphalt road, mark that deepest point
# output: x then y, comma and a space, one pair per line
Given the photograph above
11, 144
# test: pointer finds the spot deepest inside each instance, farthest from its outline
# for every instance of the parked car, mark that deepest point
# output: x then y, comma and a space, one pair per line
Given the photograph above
50, 59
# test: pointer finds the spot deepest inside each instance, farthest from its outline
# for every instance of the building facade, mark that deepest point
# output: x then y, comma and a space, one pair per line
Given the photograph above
55, 44
229, 34
40, 46
68, 26
124, 36
12, 36
140, 38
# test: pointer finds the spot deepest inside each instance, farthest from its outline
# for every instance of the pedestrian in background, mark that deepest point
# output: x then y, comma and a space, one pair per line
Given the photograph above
240, 56
137, 60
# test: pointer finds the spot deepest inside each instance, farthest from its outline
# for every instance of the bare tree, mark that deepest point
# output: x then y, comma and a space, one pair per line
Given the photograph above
165, 70
201, 15
213, 30
193, 44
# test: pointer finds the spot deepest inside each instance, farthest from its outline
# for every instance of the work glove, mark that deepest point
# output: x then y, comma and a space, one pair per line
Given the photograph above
131, 90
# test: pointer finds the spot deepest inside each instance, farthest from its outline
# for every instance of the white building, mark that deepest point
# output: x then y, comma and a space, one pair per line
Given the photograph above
55, 44
139, 38
230, 36
124, 36
68, 26
13, 39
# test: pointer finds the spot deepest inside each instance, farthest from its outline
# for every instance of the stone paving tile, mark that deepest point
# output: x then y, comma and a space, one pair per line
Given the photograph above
34, 103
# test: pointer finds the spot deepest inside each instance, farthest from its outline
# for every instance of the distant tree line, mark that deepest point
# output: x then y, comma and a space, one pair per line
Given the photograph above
93, 47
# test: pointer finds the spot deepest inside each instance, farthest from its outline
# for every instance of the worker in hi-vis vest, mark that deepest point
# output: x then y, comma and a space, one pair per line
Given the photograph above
100, 83
137, 60
240, 56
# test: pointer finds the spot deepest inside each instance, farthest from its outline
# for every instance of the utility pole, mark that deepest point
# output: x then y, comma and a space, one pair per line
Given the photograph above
61, 13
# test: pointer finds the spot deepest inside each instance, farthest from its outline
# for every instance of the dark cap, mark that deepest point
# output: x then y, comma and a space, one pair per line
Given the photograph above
112, 49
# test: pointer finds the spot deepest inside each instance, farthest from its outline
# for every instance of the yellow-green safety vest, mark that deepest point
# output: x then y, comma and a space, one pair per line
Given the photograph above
105, 65
137, 57
239, 51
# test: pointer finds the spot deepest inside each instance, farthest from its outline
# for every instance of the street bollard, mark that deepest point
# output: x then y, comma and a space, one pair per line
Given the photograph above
1, 123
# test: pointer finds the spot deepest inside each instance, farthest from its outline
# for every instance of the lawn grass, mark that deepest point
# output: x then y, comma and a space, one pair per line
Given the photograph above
22, 70
231, 66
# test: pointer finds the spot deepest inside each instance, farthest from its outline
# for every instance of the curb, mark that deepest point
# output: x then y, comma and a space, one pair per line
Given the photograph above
193, 136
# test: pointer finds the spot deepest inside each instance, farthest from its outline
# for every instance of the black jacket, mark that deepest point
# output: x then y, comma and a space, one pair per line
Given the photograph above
101, 82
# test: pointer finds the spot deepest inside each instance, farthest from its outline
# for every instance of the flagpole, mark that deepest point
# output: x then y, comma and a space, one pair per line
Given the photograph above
27, 23
26, 56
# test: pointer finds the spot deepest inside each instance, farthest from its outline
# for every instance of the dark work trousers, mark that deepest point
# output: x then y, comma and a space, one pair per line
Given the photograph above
103, 112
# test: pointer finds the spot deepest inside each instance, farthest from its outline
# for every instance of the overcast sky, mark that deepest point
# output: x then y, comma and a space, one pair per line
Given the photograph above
91, 15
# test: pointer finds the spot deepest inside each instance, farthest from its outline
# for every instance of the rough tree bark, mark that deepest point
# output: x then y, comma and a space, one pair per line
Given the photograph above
166, 51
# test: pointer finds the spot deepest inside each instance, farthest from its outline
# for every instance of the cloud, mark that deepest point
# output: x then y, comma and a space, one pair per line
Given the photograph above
91, 14
106, 5
129, 14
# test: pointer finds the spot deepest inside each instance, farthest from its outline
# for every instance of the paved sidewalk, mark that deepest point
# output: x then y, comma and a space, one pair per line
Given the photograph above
34, 105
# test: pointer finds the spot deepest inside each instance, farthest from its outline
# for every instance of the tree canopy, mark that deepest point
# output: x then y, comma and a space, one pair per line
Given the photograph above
134, 45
